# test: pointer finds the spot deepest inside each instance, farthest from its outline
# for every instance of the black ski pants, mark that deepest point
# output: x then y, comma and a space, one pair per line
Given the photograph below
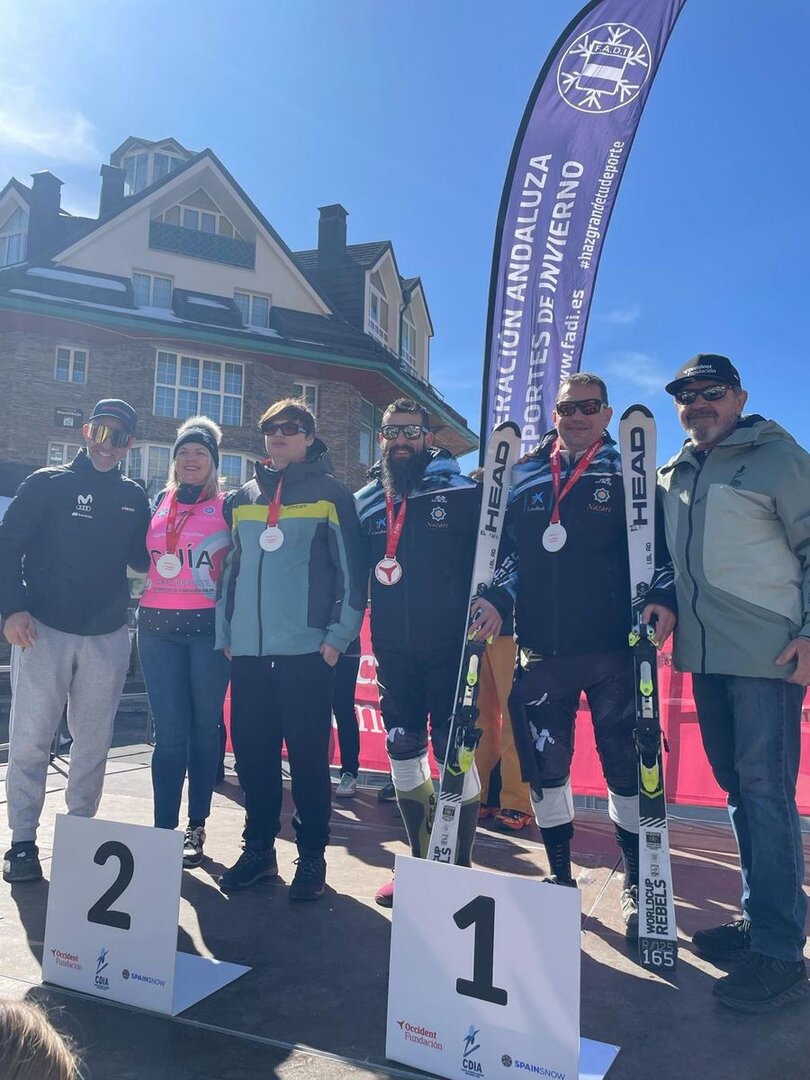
289, 698
415, 686
345, 714
543, 706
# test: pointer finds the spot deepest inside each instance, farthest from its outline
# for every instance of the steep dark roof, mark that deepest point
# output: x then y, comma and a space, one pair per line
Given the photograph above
66, 283
23, 191
91, 224
344, 284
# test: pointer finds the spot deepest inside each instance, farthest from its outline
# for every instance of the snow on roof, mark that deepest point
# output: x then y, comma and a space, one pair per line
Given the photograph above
207, 303
76, 277
163, 314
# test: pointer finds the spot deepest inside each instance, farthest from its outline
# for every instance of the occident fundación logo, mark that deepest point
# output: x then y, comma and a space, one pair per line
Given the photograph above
604, 68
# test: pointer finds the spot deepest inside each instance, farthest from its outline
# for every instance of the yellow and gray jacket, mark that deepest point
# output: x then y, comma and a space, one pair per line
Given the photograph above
309, 591
738, 531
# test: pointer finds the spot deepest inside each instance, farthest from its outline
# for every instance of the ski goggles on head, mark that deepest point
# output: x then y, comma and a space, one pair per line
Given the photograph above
708, 393
286, 427
411, 431
101, 433
589, 407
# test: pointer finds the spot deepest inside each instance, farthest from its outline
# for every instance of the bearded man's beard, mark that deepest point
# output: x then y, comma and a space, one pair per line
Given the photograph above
401, 474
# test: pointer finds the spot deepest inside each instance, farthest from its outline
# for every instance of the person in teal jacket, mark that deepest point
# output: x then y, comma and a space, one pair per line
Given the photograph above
290, 601
737, 508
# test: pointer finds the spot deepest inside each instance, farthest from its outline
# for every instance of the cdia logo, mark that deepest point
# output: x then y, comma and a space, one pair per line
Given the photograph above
102, 981
471, 1045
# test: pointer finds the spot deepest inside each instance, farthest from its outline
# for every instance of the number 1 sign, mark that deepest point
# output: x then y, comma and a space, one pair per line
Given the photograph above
111, 927
484, 975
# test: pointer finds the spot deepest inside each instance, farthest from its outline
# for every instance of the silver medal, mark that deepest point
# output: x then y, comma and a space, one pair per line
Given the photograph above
168, 565
388, 571
271, 539
554, 537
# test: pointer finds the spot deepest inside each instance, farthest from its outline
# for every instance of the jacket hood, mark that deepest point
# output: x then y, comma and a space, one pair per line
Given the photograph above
752, 430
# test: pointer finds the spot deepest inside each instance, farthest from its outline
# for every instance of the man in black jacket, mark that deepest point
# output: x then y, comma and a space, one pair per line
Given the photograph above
420, 516
65, 543
564, 561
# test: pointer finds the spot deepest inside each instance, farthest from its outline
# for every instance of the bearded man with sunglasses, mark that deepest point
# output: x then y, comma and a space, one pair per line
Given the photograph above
737, 506
65, 543
420, 517
564, 561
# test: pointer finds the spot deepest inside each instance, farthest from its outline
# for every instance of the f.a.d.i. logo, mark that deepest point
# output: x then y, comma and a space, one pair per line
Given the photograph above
604, 68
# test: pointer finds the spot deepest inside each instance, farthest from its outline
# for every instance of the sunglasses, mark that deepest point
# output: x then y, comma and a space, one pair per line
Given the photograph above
100, 433
287, 427
589, 407
411, 431
708, 393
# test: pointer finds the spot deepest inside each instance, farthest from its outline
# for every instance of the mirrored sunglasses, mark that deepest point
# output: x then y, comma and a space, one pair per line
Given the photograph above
100, 433
708, 393
411, 431
288, 427
589, 407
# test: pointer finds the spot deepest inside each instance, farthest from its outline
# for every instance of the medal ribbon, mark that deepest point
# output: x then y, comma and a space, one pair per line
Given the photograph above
394, 524
556, 474
274, 506
172, 532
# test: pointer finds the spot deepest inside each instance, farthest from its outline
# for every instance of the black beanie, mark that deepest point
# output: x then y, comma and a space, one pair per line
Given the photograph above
199, 435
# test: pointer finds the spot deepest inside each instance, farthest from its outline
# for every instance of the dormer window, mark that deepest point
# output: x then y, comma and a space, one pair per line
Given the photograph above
12, 238
255, 308
408, 350
144, 168
377, 310
200, 213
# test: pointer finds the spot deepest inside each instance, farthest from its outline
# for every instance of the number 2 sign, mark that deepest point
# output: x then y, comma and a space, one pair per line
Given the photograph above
484, 973
113, 907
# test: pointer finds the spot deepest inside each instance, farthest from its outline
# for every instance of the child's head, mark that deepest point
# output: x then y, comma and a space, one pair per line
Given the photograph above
31, 1048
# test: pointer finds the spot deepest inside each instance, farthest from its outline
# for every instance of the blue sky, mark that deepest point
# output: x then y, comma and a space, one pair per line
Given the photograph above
406, 114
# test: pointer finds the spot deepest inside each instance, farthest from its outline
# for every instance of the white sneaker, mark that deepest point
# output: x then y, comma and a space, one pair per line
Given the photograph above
347, 788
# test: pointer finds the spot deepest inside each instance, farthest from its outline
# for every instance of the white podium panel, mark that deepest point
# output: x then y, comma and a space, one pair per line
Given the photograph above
113, 907
484, 976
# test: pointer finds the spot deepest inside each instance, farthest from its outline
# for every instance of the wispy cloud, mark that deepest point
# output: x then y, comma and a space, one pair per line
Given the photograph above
636, 370
623, 316
33, 125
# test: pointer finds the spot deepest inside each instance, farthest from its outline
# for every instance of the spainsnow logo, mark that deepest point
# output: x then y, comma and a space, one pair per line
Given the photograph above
604, 68
136, 976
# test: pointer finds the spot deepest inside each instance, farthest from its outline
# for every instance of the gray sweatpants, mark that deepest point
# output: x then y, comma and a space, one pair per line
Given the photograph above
86, 672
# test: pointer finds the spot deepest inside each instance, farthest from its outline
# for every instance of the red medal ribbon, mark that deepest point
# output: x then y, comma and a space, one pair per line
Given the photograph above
172, 533
556, 474
274, 506
394, 524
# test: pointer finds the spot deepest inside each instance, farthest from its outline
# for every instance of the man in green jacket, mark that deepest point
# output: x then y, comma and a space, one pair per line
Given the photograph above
737, 507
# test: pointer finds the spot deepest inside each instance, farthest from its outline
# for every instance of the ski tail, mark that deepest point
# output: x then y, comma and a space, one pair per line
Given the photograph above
464, 735
658, 936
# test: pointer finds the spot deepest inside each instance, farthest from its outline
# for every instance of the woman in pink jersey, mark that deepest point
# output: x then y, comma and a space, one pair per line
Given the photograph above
186, 678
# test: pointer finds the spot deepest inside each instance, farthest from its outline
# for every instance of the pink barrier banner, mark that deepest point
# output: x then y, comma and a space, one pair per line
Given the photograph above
689, 779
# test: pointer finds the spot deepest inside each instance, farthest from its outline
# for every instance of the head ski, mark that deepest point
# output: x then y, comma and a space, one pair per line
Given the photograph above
464, 735
657, 933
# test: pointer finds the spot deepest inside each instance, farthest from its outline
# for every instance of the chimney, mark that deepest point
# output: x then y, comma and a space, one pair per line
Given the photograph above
43, 215
331, 235
112, 189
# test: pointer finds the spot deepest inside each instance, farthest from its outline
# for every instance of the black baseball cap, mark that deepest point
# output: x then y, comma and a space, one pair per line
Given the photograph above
118, 409
705, 366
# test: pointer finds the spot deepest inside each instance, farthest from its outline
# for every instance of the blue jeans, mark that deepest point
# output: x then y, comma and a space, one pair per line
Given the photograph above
751, 734
186, 680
